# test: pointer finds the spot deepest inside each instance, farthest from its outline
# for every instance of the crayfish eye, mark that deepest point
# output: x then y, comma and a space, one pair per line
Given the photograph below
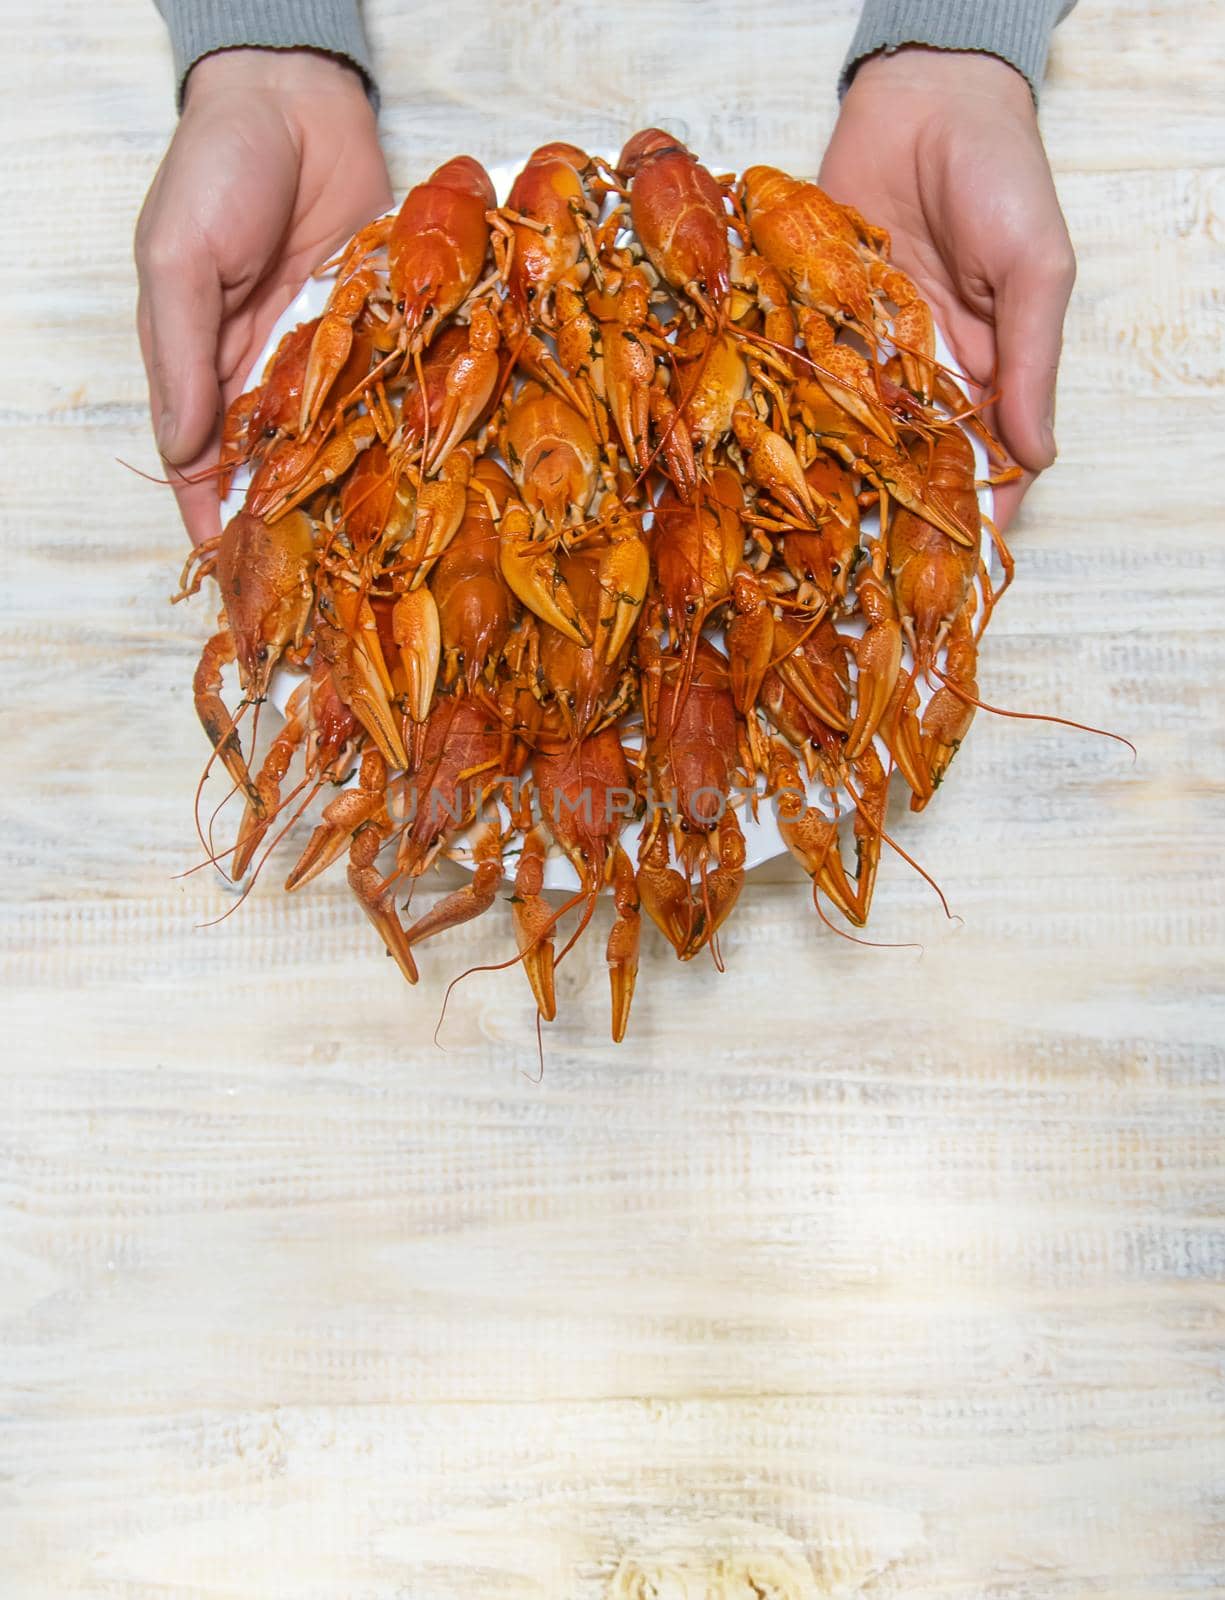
702, 285
427, 313
400, 304
531, 291
835, 568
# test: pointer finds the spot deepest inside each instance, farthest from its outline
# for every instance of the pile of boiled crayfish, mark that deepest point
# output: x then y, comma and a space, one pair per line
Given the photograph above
558, 504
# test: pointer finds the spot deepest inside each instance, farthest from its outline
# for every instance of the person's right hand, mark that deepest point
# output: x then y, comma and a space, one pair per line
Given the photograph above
274, 164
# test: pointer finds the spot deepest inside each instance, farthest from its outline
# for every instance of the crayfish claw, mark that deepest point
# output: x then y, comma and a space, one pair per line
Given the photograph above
329, 351
216, 720
929, 509
663, 892
622, 949
469, 386
415, 625
355, 655
533, 920
902, 734
750, 639
342, 817
624, 573
377, 898
530, 568
461, 905
798, 675
719, 887
878, 657
810, 836
441, 503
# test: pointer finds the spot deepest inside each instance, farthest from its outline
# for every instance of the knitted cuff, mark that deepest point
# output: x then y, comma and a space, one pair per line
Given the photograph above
199, 27
1018, 31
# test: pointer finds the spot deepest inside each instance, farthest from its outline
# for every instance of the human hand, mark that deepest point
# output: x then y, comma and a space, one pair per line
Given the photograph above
274, 164
943, 149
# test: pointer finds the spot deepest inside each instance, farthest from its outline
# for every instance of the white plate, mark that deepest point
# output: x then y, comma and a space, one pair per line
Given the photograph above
762, 839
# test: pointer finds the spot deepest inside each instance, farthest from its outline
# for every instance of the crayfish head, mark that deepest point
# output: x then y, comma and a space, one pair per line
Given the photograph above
465, 175
421, 320
712, 291
264, 574
763, 187
645, 144
702, 800
559, 150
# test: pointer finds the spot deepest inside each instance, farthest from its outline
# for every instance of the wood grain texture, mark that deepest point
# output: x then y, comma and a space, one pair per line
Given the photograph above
853, 1271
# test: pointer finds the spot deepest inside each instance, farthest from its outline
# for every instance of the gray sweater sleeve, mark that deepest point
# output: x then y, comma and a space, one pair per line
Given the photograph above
1018, 31
199, 27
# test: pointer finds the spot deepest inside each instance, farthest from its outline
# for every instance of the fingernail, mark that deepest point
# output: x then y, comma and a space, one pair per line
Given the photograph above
166, 429
1048, 441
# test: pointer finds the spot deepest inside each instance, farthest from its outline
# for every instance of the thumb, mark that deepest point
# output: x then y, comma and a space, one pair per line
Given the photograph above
1029, 309
181, 310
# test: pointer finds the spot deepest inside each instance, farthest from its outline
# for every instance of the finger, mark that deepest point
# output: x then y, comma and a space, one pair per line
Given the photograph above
181, 306
197, 501
194, 481
1030, 306
195, 489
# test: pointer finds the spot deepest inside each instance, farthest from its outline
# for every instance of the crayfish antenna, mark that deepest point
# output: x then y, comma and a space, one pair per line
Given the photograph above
263, 860
205, 845
251, 833
1030, 716
854, 938
539, 1078
218, 752
191, 478
588, 897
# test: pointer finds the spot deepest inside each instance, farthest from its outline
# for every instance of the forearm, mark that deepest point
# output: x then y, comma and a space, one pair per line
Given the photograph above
1017, 31
200, 27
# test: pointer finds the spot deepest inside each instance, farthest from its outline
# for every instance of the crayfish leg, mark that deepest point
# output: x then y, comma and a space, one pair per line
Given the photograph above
200, 564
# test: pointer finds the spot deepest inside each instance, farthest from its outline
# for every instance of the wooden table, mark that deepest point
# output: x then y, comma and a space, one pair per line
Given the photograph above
858, 1271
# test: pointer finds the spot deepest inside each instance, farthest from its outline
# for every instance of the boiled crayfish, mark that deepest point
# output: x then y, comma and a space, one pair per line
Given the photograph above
562, 506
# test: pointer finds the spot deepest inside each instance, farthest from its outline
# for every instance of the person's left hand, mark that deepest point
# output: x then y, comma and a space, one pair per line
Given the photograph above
943, 149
